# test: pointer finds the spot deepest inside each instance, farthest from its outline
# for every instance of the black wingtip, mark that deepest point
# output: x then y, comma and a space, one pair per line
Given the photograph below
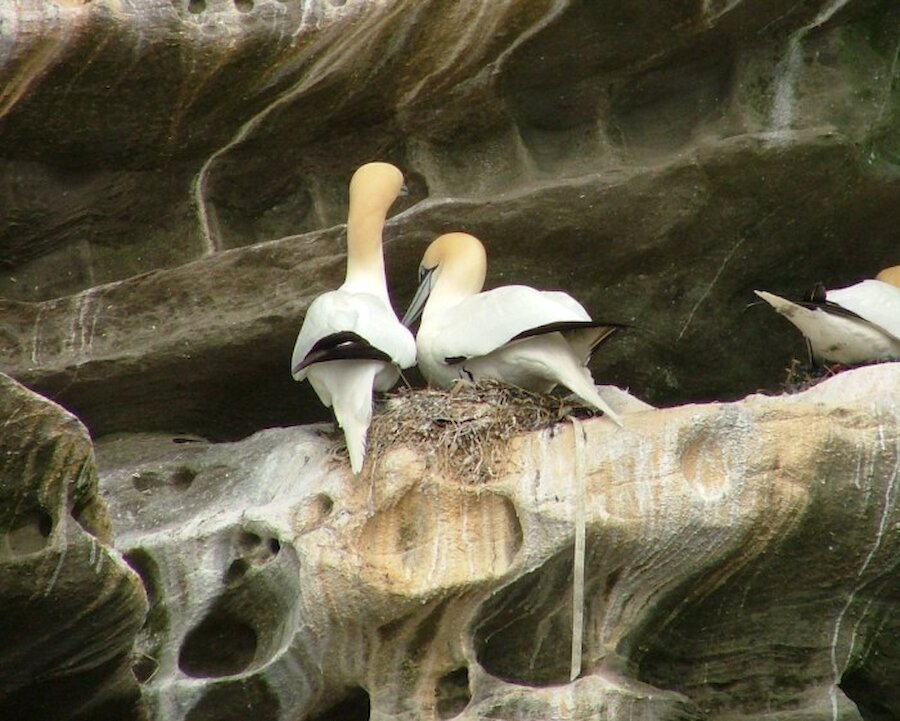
563, 326
345, 345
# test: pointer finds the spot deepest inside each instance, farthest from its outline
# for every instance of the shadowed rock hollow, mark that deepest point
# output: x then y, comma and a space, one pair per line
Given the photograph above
173, 188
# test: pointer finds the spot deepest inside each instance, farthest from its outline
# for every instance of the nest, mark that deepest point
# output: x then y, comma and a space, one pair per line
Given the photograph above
464, 431
802, 375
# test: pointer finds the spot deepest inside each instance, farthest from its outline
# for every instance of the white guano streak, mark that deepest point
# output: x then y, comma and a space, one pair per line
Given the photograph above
578, 513
783, 103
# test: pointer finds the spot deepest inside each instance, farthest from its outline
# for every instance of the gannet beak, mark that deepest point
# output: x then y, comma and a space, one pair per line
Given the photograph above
403, 191
417, 304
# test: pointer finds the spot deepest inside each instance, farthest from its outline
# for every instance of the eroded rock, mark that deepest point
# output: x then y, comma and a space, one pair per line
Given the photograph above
659, 161
175, 177
741, 563
69, 606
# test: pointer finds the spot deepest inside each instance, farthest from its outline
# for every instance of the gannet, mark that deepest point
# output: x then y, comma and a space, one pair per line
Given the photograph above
525, 337
849, 326
351, 341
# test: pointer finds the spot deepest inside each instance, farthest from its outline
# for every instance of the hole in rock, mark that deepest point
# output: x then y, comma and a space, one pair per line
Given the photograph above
243, 700
452, 693
243, 6
29, 533
236, 571
143, 564
311, 514
220, 645
324, 504
196, 6
145, 481
248, 540
355, 706
144, 668
182, 478
523, 634
255, 549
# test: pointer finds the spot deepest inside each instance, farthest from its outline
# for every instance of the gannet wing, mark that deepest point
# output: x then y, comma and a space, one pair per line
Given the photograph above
835, 333
479, 324
354, 326
872, 300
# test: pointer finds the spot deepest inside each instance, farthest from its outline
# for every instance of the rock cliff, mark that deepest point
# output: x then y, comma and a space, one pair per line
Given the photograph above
741, 562
173, 188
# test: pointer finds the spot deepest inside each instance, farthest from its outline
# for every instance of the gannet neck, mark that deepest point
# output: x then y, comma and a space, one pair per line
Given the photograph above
373, 189
365, 259
460, 264
890, 275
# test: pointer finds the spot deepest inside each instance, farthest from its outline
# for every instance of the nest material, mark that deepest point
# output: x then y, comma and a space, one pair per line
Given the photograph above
802, 375
464, 431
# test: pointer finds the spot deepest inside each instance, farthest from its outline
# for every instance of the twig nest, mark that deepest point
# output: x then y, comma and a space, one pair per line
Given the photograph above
463, 432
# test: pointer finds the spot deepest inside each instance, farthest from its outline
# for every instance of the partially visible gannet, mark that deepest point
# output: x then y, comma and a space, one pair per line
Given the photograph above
351, 341
852, 325
525, 337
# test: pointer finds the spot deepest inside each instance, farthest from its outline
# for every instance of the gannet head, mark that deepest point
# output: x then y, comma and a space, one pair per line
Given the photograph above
453, 267
890, 275
374, 187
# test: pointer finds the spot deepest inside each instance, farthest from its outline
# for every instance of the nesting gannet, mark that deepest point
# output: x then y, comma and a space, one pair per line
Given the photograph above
525, 337
852, 325
351, 341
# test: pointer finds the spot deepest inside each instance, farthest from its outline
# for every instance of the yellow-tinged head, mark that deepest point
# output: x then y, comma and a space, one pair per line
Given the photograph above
454, 266
374, 187
459, 257
890, 275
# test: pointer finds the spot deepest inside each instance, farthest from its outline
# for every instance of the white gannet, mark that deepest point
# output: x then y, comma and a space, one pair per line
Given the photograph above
351, 341
525, 337
852, 325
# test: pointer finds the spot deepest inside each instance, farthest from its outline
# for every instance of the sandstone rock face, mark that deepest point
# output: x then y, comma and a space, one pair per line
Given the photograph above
173, 188
741, 562
659, 160
69, 606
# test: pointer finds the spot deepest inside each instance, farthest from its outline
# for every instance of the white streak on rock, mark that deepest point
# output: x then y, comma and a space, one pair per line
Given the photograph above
579, 498
781, 116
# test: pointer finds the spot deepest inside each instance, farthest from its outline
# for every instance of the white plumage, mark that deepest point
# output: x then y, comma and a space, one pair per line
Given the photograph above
351, 341
852, 325
517, 334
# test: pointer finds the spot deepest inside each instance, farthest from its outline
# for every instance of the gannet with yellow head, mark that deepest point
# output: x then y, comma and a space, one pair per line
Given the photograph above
351, 342
853, 325
517, 334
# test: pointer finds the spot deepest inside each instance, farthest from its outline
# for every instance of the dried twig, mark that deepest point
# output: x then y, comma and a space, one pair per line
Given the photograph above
463, 432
